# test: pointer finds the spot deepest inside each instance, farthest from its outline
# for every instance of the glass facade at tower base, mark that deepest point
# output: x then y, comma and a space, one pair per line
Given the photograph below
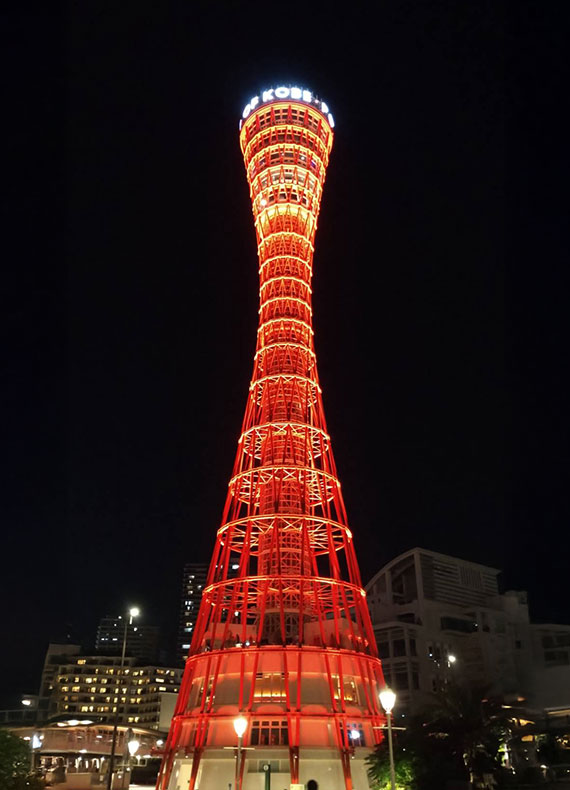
218, 767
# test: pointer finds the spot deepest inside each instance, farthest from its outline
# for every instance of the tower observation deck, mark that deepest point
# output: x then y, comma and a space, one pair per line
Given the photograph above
283, 636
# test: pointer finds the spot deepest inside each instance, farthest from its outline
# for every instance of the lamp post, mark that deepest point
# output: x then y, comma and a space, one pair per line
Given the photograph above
388, 700
133, 612
133, 745
35, 746
240, 726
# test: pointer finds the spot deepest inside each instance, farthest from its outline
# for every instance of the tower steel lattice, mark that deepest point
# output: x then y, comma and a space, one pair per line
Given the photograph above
283, 636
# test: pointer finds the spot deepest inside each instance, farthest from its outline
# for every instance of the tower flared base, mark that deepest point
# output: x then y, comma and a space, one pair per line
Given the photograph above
218, 767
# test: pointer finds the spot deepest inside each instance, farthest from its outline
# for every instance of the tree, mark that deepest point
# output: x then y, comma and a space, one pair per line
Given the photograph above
549, 750
457, 738
404, 765
473, 725
15, 764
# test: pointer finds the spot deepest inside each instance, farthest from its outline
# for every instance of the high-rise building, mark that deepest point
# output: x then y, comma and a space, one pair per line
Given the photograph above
193, 583
287, 645
96, 687
142, 640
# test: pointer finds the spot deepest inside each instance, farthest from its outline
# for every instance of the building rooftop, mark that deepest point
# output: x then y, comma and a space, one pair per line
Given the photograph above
435, 555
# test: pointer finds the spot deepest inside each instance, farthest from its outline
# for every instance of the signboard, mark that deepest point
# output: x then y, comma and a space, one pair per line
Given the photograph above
299, 94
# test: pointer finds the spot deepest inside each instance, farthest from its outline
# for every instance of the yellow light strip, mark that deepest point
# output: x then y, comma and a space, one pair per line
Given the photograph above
285, 344
286, 377
288, 278
287, 320
283, 425
280, 148
287, 233
307, 264
321, 522
286, 299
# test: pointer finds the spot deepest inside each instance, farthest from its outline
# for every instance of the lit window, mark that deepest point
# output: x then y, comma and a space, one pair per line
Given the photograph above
270, 686
355, 734
350, 691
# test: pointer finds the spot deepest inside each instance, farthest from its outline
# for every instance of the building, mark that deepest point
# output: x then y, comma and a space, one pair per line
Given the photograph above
70, 723
549, 687
23, 715
283, 642
80, 751
193, 583
142, 640
96, 687
57, 654
436, 617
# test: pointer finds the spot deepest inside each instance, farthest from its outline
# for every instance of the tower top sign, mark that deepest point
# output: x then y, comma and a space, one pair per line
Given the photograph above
291, 92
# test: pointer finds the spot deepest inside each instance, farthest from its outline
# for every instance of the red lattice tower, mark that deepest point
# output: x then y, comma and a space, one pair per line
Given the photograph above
283, 636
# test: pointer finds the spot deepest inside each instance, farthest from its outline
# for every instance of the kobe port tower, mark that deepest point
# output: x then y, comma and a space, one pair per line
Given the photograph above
282, 678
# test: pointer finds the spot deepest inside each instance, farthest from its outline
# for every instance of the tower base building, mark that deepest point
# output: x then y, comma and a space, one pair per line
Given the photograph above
218, 770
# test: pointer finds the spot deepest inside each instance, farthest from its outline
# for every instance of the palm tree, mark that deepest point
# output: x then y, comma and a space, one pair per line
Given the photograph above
457, 737
472, 724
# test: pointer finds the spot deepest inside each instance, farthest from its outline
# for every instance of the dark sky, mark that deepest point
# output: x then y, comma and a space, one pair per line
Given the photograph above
440, 292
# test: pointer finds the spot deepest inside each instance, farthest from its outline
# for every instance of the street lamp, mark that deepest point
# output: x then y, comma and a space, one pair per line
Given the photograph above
133, 612
36, 745
240, 726
388, 700
133, 746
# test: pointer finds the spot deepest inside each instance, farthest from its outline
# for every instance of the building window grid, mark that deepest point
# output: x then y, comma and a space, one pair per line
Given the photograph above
269, 732
350, 689
270, 686
351, 729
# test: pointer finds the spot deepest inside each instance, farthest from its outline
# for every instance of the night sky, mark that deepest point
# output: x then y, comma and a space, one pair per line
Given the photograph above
440, 293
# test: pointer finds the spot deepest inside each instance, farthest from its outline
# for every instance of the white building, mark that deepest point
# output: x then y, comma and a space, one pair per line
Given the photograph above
434, 615
549, 688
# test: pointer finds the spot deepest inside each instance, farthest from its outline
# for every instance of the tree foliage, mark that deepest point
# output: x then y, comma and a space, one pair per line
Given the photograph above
14, 758
15, 764
549, 750
457, 738
473, 725
404, 764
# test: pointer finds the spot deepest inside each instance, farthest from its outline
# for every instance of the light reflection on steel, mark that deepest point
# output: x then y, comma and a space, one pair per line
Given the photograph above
294, 608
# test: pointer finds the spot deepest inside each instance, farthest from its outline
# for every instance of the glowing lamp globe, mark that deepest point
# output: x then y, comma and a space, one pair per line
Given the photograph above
240, 726
387, 699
